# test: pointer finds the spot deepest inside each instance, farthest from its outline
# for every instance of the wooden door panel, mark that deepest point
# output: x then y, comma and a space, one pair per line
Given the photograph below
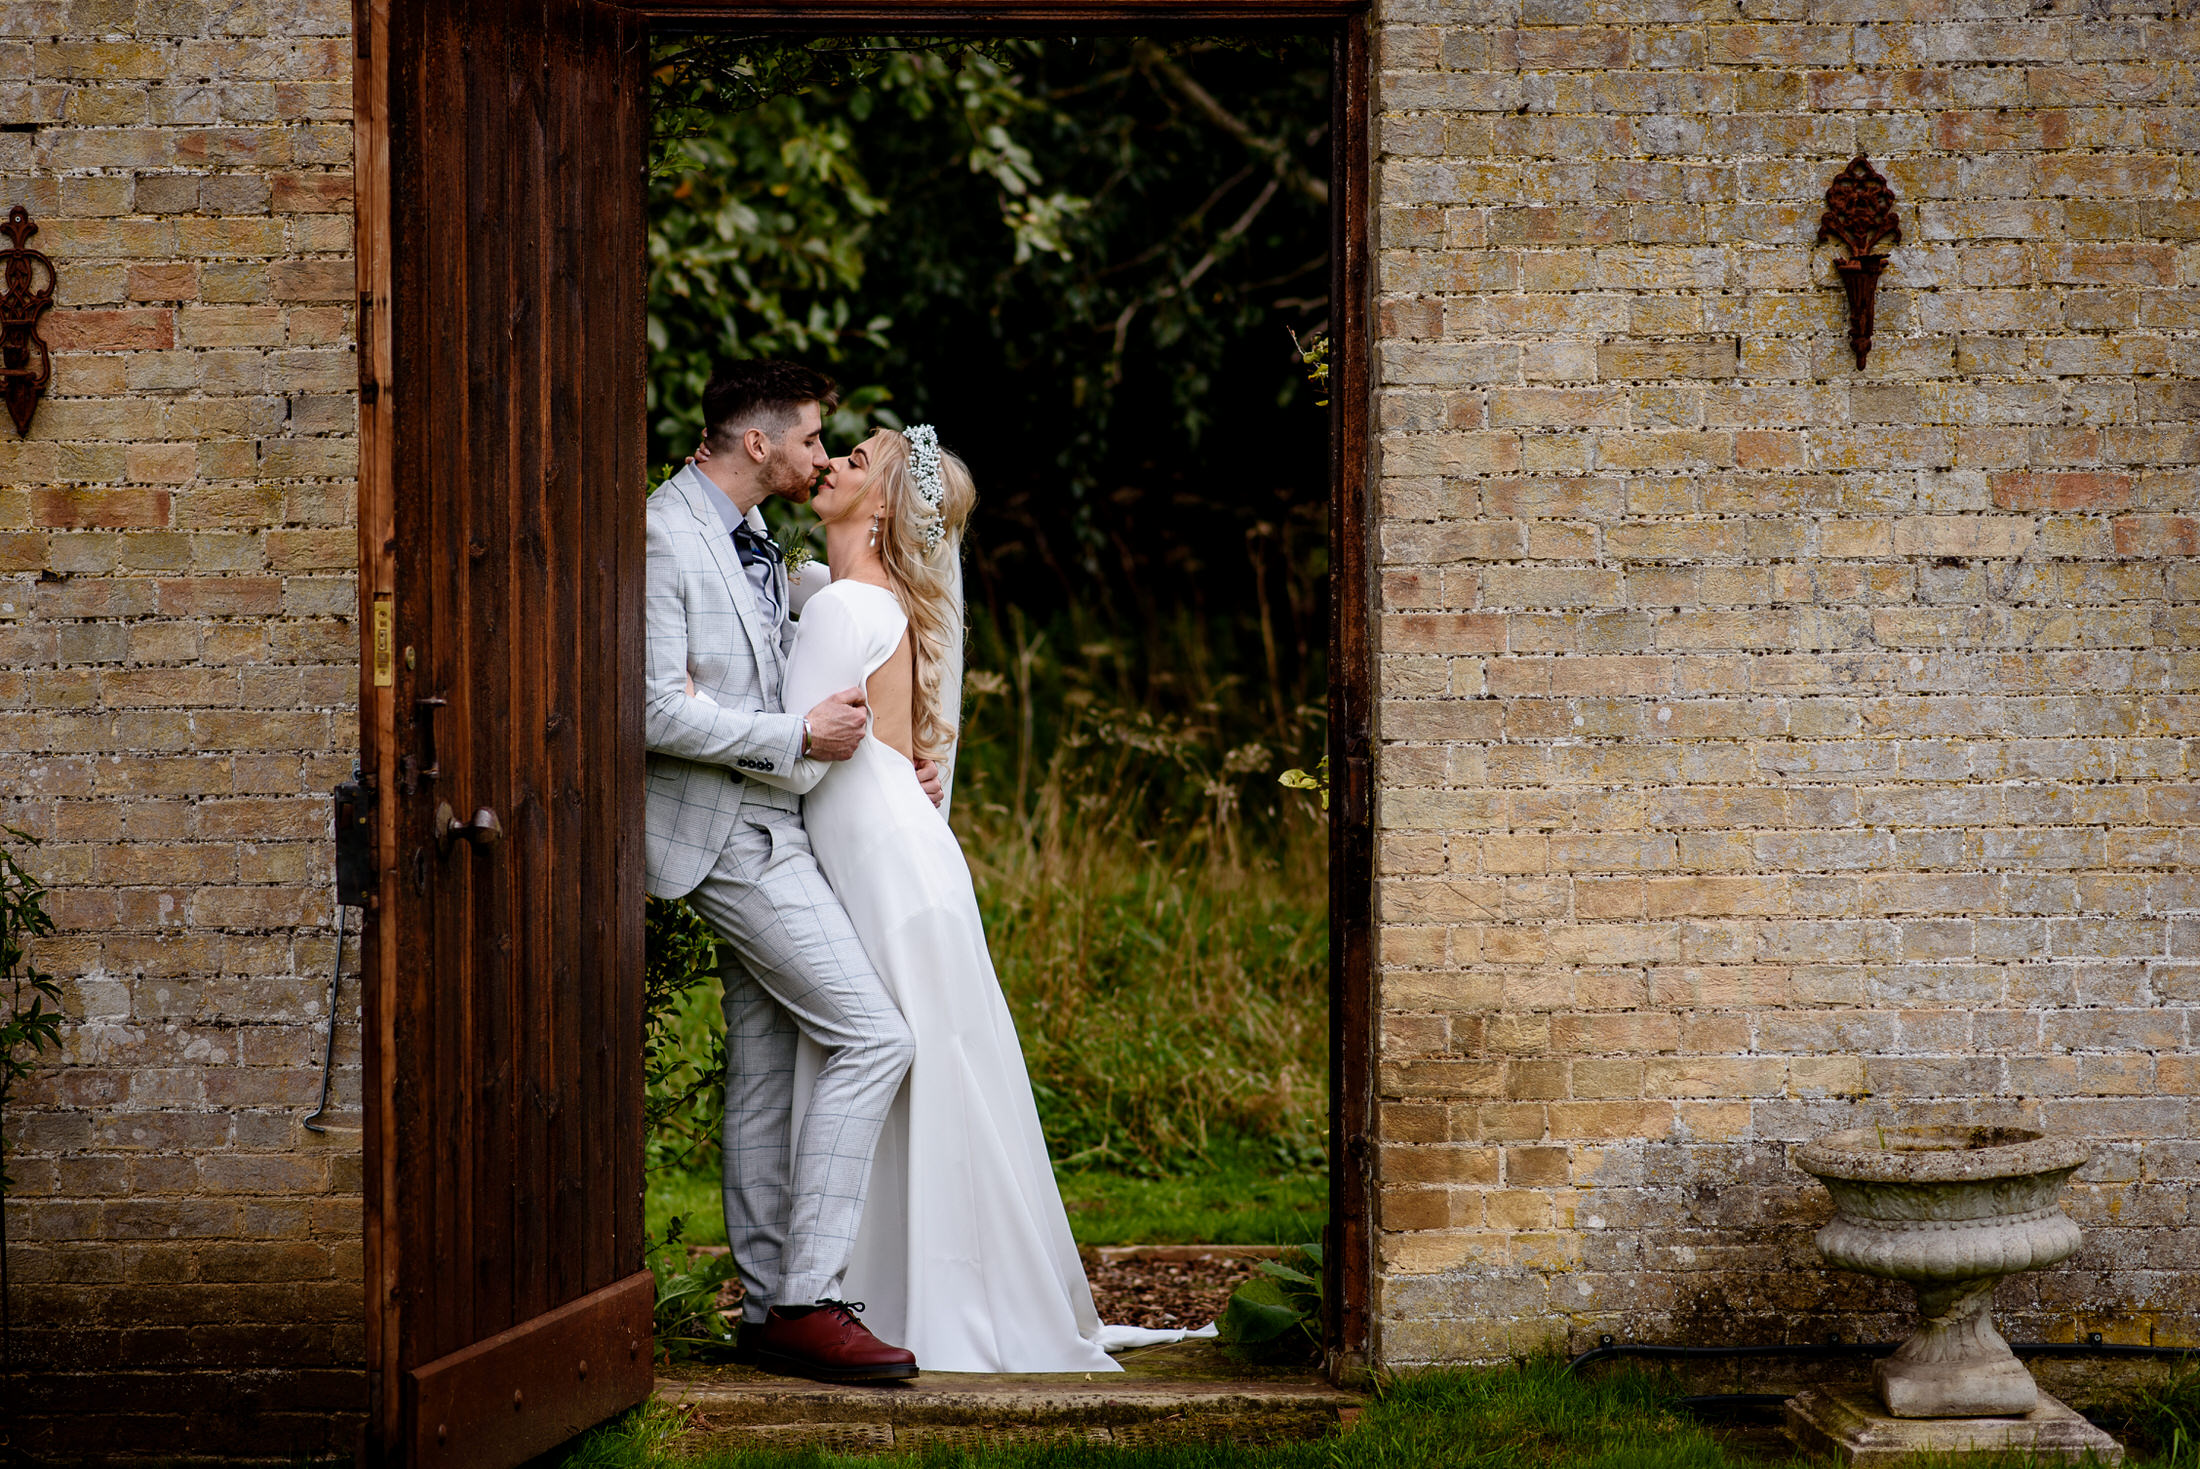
501, 516
512, 1396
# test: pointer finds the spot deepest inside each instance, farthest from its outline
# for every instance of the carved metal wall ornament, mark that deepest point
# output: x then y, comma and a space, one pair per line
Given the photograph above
1860, 214
25, 364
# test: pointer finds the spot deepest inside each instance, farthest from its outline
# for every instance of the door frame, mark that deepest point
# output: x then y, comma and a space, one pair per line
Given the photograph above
1349, 1263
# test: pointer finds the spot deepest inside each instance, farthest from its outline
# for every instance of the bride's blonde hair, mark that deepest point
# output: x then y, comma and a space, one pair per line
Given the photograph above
928, 582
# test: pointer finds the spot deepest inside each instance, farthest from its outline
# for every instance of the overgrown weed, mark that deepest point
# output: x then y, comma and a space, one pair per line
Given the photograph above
2161, 1421
1157, 905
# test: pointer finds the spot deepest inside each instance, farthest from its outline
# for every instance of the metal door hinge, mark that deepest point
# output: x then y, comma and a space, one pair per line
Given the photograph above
355, 875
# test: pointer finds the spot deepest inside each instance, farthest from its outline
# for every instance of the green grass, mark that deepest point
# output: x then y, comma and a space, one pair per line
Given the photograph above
1240, 1197
1166, 1001
692, 1198
1529, 1415
1157, 906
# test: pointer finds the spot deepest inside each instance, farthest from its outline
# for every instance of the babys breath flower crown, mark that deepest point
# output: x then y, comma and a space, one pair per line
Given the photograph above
924, 473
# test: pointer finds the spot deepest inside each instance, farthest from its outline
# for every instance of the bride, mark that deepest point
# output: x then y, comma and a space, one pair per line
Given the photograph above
965, 1254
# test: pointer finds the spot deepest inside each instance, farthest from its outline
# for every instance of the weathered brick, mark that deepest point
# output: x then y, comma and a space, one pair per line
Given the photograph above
1921, 585
110, 331
146, 188
1767, 744
2072, 490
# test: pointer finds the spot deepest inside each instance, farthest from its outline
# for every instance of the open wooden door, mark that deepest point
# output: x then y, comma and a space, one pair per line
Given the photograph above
501, 158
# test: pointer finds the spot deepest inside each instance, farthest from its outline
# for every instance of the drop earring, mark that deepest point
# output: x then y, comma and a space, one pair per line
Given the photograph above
874, 532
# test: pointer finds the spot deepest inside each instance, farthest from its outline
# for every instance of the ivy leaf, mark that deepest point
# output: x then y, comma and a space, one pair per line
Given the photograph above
1259, 1312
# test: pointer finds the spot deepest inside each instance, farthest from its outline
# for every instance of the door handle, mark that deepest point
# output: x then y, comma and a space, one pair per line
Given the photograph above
483, 831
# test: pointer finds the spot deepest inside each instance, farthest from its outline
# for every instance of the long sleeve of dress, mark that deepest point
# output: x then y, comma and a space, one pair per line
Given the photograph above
831, 653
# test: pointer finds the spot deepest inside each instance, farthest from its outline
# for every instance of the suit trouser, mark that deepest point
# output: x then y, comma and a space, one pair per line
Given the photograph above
798, 967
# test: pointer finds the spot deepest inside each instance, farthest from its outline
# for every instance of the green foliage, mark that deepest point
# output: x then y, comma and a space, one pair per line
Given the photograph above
2162, 1419
1314, 352
1080, 257
1276, 1317
1191, 225
1158, 916
1537, 1413
683, 1053
687, 1201
1316, 780
684, 1068
687, 1320
33, 1023
761, 215
754, 251
701, 78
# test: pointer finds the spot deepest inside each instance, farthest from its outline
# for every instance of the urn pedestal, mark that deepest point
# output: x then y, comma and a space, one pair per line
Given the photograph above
1951, 1210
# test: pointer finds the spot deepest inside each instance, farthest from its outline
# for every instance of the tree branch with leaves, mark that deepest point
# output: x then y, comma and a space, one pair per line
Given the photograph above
32, 1024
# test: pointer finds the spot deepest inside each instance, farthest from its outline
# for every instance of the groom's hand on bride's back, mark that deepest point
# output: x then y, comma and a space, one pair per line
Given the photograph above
928, 776
836, 725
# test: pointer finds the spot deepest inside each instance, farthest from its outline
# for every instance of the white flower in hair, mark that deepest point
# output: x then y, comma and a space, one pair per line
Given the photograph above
924, 473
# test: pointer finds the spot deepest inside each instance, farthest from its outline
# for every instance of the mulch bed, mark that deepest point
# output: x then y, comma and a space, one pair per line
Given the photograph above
1157, 1294
1165, 1293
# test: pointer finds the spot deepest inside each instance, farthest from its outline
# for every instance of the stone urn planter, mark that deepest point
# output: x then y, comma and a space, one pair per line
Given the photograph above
1950, 1210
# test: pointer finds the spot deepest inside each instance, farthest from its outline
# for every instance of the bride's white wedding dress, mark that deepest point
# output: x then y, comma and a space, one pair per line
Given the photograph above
965, 1255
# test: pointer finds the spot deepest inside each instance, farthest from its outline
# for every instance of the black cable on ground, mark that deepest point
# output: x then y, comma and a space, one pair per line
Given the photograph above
1607, 1349
2093, 1346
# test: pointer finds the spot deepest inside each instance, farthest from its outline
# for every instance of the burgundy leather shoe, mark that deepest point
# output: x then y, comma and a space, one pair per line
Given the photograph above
827, 1343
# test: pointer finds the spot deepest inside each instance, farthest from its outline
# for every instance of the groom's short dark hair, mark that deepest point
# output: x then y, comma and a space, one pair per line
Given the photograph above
764, 394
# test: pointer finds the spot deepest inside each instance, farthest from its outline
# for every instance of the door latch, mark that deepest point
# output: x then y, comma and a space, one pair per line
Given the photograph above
410, 771
483, 831
355, 876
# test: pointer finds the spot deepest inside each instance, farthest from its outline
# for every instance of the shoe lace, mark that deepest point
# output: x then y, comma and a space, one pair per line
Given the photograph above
845, 1310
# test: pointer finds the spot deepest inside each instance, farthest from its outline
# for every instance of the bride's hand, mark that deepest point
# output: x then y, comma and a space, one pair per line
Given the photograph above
701, 454
691, 685
928, 776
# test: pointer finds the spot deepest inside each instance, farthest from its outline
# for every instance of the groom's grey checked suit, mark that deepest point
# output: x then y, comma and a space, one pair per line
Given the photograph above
725, 832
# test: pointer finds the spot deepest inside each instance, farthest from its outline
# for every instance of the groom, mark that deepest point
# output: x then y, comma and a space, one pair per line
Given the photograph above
726, 773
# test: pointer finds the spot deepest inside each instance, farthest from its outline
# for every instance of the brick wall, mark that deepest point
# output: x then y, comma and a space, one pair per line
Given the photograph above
1770, 746
178, 673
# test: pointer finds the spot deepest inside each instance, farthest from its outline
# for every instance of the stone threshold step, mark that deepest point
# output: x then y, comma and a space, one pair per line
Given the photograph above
732, 1407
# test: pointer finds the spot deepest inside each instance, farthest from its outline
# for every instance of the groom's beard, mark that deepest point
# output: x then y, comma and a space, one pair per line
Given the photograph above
790, 478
